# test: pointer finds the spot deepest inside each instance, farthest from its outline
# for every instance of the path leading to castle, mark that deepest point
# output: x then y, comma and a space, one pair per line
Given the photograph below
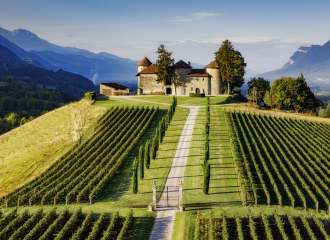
164, 222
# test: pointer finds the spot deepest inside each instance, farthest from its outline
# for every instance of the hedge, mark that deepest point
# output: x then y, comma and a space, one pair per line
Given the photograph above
90, 95
196, 94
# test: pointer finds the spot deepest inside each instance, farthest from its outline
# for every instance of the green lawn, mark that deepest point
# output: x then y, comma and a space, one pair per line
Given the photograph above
188, 101
120, 101
223, 183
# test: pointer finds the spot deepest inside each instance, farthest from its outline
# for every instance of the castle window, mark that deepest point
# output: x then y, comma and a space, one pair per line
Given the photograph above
203, 80
203, 89
192, 88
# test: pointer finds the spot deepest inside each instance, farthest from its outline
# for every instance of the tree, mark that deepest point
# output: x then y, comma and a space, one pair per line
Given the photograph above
326, 113
135, 177
261, 86
293, 93
147, 155
268, 99
141, 165
164, 64
154, 148
231, 63
206, 177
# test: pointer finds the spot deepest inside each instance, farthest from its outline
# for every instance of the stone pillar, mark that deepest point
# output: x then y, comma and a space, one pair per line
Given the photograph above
180, 192
154, 193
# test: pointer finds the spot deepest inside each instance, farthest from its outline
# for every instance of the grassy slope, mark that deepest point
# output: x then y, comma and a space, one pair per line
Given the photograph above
223, 184
31, 148
188, 101
245, 107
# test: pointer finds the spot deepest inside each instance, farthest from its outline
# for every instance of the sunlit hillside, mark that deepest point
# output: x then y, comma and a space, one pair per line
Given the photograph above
28, 150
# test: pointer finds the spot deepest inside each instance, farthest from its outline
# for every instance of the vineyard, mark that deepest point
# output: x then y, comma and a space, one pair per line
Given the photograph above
282, 161
261, 226
84, 171
64, 226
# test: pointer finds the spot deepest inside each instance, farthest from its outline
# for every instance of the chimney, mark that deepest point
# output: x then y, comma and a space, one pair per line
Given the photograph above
119, 83
189, 63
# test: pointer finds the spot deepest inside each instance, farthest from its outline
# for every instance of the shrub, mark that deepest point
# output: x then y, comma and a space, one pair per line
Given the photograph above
90, 95
196, 94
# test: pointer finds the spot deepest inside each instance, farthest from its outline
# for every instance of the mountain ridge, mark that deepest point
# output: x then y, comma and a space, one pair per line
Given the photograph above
313, 62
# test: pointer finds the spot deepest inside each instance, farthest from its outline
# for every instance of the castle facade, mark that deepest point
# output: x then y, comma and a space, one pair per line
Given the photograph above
185, 79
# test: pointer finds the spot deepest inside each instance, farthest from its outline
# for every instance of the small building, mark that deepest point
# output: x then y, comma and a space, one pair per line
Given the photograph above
109, 89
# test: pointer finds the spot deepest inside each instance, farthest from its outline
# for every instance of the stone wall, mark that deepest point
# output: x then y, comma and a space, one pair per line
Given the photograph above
215, 83
108, 91
149, 84
179, 81
202, 83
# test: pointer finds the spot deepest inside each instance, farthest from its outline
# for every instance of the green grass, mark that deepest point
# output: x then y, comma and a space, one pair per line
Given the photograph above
188, 101
120, 101
224, 182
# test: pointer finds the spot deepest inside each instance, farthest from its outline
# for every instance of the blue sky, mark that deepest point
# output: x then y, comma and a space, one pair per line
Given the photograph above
266, 32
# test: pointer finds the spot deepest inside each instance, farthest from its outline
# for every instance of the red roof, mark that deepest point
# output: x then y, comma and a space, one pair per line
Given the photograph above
213, 64
145, 62
198, 73
149, 70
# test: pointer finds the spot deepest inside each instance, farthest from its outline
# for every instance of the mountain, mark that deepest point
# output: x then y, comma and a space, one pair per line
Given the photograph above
98, 67
31, 75
313, 62
22, 54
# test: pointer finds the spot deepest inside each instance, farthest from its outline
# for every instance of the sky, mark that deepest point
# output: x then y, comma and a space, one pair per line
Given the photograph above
266, 32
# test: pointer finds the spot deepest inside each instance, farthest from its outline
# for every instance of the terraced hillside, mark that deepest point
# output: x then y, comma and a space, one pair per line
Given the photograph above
30, 149
83, 172
286, 161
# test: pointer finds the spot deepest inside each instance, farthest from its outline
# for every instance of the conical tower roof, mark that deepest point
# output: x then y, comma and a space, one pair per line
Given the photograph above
213, 64
145, 62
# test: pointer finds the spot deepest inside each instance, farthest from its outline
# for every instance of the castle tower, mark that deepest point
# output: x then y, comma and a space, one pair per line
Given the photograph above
144, 64
141, 66
214, 70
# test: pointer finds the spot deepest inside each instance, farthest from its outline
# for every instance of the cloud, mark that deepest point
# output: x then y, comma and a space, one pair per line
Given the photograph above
195, 16
202, 15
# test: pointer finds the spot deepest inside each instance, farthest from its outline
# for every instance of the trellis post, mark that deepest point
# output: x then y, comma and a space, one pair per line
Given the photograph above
180, 192
154, 193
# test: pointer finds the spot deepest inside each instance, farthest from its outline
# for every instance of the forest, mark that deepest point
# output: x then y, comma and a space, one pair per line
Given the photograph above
20, 104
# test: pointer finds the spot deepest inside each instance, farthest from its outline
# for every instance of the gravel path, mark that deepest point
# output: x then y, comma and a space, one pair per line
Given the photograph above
164, 222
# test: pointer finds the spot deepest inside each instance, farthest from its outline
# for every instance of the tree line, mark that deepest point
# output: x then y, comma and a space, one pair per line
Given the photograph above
20, 104
286, 93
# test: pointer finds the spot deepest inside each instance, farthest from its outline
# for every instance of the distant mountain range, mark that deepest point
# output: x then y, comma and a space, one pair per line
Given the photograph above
97, 67
313, 62
31, 73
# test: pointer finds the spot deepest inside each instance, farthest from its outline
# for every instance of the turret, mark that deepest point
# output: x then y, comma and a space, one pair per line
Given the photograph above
144, 64
214, 70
